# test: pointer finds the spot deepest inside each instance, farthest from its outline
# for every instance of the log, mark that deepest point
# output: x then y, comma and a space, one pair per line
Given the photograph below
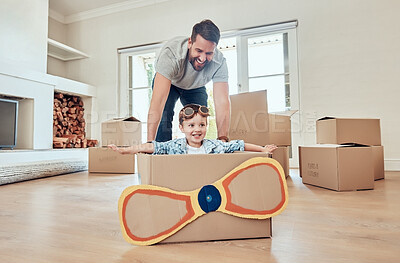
69, 122
92, 143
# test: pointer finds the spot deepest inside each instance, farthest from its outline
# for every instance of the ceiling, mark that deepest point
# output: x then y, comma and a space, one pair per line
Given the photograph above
69, 11
72, 7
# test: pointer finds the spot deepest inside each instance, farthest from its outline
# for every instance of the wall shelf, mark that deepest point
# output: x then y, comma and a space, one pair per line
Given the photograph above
63, 52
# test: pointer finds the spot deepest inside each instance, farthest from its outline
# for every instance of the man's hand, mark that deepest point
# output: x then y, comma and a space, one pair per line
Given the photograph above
223, 138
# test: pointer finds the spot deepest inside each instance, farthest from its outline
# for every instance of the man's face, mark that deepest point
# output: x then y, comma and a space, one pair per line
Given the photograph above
201, 52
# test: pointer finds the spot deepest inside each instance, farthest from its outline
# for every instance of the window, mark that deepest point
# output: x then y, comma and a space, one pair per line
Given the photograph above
136, 70
258, 58
262, 58
266, 60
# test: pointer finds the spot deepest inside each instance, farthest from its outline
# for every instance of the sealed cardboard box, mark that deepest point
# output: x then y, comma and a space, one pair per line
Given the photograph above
379, 165
121, 132
251, 122
104, 160
337, 167
190, 172
282, 156
279, 130
346, 130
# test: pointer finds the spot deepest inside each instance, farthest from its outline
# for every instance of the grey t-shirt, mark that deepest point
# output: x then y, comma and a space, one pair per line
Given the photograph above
172, 62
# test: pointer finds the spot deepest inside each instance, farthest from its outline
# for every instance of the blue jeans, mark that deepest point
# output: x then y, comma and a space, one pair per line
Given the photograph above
197, 96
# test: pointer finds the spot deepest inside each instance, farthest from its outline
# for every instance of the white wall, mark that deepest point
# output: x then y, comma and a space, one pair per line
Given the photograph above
23, 63
348, 57
23, 53
23, 33
58, 32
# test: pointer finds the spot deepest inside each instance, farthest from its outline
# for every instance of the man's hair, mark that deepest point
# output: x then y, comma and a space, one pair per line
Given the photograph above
207, 29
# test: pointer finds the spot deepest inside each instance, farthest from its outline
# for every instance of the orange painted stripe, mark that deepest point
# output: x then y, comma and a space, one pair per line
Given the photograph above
244, 211
190, 212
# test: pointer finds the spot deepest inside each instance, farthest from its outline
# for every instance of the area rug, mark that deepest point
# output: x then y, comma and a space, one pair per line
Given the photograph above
34, 170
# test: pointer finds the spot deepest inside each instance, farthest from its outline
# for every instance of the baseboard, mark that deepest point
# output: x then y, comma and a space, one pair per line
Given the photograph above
392, 165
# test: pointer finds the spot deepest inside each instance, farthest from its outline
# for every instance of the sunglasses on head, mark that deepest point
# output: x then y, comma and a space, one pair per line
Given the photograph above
189, 110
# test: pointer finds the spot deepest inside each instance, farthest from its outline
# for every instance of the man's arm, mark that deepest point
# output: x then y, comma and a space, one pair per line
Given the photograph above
160, 94
222, 107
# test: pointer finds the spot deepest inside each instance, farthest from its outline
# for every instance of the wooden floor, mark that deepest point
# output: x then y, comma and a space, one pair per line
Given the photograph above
73, 218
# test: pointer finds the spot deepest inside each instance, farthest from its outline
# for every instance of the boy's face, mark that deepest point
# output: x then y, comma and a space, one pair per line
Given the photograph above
195, 130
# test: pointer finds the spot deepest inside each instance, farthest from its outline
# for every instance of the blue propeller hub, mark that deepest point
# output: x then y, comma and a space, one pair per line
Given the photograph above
209, 198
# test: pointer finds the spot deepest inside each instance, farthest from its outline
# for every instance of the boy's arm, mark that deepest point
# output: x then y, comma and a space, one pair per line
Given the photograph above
256, 148
140, 148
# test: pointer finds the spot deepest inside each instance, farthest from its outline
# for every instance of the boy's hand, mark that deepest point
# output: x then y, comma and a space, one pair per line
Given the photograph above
112, 146
269, 148
124, 150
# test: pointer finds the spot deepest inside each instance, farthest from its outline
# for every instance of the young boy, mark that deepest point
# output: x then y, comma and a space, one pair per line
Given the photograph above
193, 123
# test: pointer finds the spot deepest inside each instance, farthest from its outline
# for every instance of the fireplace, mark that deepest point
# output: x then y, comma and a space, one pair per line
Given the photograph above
69, 122
34, 156
35, 93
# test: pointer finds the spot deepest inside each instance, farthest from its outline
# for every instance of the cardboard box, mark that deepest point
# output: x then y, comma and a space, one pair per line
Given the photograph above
280, 131
282, 156
337, 167
121, 132
104, 160
190, 172
379, 164
251, 122
345, 130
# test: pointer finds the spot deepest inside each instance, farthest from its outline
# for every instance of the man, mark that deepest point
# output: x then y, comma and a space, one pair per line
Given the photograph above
183, 67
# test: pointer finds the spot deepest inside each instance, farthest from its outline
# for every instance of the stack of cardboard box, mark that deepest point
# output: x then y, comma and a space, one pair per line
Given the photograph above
121, 132
251, 122
348, 155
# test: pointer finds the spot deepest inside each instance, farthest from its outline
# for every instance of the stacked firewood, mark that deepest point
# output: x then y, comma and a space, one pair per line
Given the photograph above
69, 123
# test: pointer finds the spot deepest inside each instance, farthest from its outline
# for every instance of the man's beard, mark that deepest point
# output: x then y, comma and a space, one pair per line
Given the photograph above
196, 65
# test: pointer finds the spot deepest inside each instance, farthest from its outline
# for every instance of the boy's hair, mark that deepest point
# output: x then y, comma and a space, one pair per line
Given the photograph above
197, 110
207, 29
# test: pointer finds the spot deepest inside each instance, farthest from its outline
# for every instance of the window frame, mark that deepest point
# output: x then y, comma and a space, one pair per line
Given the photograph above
242, 36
